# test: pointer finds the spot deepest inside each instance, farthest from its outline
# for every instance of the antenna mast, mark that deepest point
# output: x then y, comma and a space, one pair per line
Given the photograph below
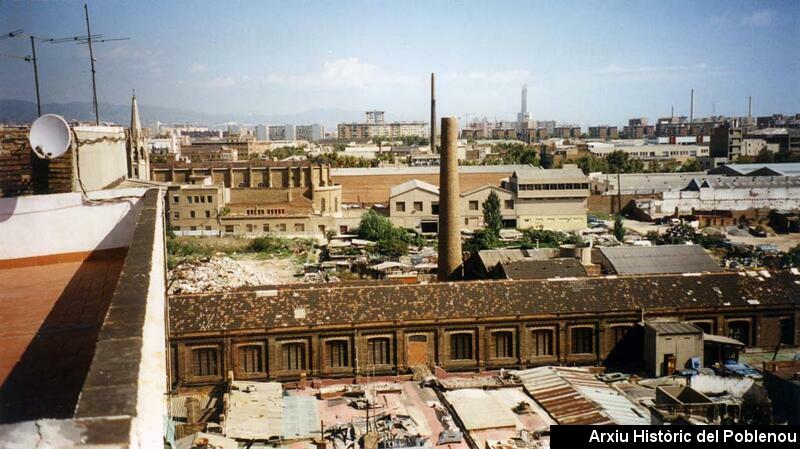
91, 58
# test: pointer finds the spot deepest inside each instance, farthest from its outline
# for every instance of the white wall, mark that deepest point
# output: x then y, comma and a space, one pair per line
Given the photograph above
42, 225
104, 162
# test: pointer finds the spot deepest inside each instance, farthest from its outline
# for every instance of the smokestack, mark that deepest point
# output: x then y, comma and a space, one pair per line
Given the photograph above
524, 99
433, 114
449, 213
749, 106
691, 108
672, 111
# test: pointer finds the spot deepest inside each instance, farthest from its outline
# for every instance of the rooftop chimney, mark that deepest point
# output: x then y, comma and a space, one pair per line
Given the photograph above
449, 229
433, 115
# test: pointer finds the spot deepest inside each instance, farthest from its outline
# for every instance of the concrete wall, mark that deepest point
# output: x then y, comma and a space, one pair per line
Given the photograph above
64, 223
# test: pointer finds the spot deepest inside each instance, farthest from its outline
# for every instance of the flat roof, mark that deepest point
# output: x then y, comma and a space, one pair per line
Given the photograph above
49, 327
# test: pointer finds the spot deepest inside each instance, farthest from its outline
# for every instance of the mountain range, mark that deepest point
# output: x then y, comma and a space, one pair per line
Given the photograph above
20, 111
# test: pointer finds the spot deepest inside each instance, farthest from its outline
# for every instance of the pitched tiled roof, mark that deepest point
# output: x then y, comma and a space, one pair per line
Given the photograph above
325, 305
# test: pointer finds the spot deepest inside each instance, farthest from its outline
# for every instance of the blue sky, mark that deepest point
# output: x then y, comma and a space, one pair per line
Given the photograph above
584, 62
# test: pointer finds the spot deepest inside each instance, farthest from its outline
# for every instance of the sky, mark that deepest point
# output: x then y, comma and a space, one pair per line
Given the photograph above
590, 63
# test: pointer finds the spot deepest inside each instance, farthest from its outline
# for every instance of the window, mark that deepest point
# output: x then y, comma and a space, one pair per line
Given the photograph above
473, 205
337, 354
282, 227
400, 206
378, 351
176, 199
418, 206
323, 204
503, 344
787, 331
190, 199
705, 326
299, 227
202, 199
265, 227
176, 215
249, 228
191, 214
208, 228
435, 208
209, 198
193, 228
229, 229
250, 359
582, 340
542, 342
509, 204
461, 346
204, 362
618, 333
739, 330
294, 356
208, 214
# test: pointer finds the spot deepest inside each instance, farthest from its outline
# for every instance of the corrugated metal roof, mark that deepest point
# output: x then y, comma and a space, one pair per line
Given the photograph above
491, 257
662, 259
543, 269
479, 410
576, 396
673, 327
300, 417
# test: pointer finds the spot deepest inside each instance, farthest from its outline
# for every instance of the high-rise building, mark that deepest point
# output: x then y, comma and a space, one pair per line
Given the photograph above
375, 126
262, 132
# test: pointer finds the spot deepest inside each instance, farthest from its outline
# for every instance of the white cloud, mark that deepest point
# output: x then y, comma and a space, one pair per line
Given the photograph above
760, 18
198, 68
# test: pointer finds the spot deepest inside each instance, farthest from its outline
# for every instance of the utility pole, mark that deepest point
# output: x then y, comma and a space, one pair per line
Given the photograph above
91, 58
36, 76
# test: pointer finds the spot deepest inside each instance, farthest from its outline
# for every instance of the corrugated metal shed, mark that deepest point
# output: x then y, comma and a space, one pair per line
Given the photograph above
576, 396
662, 259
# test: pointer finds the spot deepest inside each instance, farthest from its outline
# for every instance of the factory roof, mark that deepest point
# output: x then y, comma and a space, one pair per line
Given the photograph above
543, 269
538, 173
660, 259
254, 411
411, 185
784, 169
425, 170
744, 182
324, 305
576, 396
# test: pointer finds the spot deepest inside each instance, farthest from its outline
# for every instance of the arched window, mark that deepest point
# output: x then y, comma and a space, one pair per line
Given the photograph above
503, 344
378, 351
204, 362
294, 356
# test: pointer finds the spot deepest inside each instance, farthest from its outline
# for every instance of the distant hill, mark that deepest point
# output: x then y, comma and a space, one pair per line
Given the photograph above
19, 111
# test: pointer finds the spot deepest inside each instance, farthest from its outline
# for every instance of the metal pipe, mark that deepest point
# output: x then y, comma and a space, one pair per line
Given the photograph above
91, 59
36, 76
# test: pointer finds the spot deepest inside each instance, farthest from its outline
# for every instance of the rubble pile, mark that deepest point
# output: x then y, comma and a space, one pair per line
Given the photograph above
212, 275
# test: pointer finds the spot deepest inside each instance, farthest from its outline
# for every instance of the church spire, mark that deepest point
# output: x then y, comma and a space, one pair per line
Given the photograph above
136, 126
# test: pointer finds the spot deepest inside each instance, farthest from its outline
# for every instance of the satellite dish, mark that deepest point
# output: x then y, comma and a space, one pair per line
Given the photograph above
50, 136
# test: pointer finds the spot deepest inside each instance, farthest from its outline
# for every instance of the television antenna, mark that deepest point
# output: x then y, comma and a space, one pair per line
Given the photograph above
32, 59
89, 39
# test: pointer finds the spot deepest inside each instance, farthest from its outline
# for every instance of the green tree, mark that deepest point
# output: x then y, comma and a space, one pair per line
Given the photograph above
691, 165
619, 228
390, 240
492, 218
617, 161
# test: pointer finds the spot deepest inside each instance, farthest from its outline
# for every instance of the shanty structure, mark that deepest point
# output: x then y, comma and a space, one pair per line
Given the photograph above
576, 396
670, 346
661, 259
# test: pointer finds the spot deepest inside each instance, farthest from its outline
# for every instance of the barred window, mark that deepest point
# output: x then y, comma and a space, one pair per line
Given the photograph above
542, 342
787, 331
619, 333
461, 346
204, 362
250, 359
582, 340
294, 356
337, 354
503, 344
739, 330
378, 351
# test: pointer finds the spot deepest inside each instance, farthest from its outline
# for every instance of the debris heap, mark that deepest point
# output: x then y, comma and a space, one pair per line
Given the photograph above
212, 275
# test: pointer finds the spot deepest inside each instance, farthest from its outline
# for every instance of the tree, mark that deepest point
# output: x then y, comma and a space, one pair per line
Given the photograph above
619, 228
492, 218
390, 240
617, 161
792, 257
691, 165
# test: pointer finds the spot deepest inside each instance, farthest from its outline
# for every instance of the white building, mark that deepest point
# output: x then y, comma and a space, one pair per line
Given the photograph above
262, 133
734, 193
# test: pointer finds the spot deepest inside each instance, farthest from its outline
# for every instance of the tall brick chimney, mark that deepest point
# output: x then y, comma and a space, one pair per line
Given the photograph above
449, 213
